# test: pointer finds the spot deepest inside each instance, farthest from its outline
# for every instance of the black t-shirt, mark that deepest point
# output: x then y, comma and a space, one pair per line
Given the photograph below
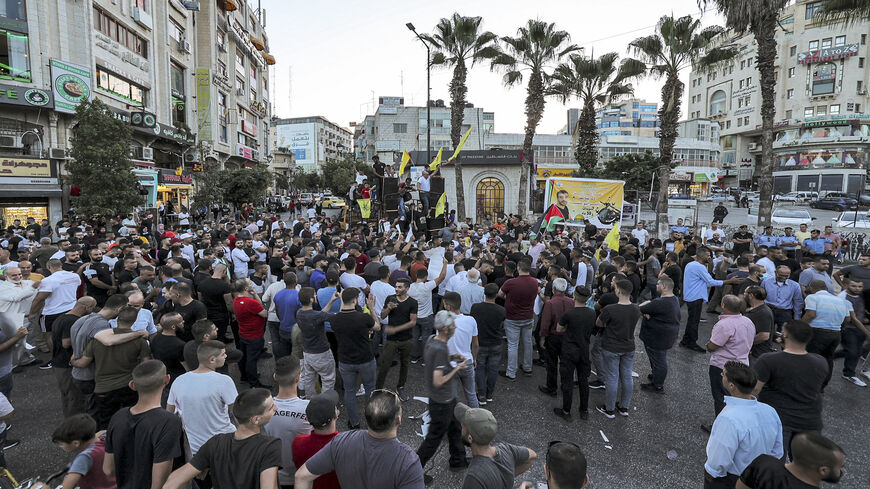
401, 315
189, 354
660, 331
140, 440
237, 463
191, 313
60, 329
619, 322
126, 276
490, 323
768, 472
169, 350
276, 266
762, 318
793, 386
101, 272
352, 330
675, 273
739, 248
579, 323
213, 290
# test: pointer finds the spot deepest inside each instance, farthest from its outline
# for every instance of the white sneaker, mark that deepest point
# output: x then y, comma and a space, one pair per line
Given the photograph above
361, 391
866, 373
634, 374
855, 380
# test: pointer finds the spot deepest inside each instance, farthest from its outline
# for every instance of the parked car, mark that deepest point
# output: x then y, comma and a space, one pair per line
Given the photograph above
835, 203
680, 197
791, 217
717, 197
331, 202
306, 198
797, 197
852, 220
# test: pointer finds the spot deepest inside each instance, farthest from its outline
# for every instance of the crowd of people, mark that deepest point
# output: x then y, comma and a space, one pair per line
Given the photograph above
157, 337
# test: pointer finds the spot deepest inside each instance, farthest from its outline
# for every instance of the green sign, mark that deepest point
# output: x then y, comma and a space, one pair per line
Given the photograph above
34, 97
203, 104
71, 85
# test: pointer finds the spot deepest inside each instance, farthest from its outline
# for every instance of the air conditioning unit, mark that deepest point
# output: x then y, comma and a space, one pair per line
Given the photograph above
147, 153
240, 92
57, 153
142, 17
255, 155
183, 45
10, 142
753, 146
862, 92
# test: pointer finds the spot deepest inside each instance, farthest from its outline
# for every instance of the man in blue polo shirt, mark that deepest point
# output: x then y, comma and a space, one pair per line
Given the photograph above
815, 246
788, 242
825, 312
696, 280
680, 228
767, 238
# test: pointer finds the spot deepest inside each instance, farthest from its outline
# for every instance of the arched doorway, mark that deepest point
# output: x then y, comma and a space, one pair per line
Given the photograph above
489, 196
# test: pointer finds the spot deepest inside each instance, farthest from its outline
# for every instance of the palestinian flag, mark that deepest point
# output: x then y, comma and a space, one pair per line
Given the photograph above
548, 222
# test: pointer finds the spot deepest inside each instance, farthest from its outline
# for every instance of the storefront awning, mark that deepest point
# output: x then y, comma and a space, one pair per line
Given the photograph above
231, 5
8, 191
168, 188
257, 42
270, 60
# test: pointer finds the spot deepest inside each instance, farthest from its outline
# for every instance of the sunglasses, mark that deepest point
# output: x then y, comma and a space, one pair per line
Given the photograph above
387, 391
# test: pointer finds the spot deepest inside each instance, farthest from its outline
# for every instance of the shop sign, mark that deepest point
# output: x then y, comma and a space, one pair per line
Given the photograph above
680, 176
71, 85
249, 128
827, 54
554, 172
245, 152
705, 177
122, 53
173, 179
18, 167
203, 104
147, 123
33, 97
16, 25
258, 107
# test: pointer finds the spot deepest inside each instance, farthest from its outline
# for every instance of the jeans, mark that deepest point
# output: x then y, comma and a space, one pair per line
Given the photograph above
690, 336
781, 316
553, 351
403, 348
314, 365
574, 359
717, 389
442, 422
222, 323
658, 363
516, 329
273, 327
617, 372
825, 342
422, 330
788, 434
853, 340
424, 198
595, 356
488, 362
251, 350
349, 373
466, 378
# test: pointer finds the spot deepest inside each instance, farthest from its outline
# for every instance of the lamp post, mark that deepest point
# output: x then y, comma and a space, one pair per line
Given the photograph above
410, 27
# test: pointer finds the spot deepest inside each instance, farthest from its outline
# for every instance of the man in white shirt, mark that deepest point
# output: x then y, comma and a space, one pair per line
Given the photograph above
641, 234
714, 229
421, 291
187, 248
471, 292
424, 187
463, 342
382, 289
289, 420
16, 296
240, 260
350, 279
56, 296
458, 279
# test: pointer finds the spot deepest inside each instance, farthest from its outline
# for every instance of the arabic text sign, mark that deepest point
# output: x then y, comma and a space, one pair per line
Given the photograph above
600, 201
25, 168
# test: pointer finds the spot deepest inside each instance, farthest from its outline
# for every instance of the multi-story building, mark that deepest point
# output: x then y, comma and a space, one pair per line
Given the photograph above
630, 117
152, 64
822, 133
313, 141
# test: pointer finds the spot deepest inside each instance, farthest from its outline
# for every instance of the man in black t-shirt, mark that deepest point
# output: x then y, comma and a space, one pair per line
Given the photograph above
99, 281
741, 240
189, 308
239, 459
816, 460
379, 169
576, 325
216, 295
659, 331
617, 350
167, 347
490, 331
72, 400
353, 331
402, 312
761, 316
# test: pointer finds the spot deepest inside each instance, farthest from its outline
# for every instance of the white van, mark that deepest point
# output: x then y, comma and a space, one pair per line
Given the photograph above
802, 196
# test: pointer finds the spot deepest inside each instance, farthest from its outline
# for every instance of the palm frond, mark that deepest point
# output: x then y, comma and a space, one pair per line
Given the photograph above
512, 78
843, 11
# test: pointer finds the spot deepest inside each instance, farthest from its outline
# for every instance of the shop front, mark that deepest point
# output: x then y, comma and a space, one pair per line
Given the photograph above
29, 188
147, 176
175, 190
692, 181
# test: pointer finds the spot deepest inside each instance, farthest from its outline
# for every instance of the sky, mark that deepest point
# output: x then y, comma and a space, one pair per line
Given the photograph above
336, 57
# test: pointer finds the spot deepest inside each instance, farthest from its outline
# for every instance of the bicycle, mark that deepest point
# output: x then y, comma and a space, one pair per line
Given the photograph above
8, 481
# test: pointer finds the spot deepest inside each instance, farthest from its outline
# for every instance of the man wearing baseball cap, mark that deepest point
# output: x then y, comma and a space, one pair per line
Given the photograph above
322, 415
492, 465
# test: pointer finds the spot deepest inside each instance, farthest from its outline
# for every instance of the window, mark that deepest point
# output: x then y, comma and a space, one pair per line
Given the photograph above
746, 121
824, 78
400, 128
860, 85
791, 72
788, 114
176, 73
139, 4
792, 51
858, 108
115, 85
834, 109
812, 8
222, 106
739, 102
826, 42
739, 122
741, 83
14, 57
743, 64
814, 45
635, 105
222, 68
240, 62
222, 41
176, 31
727, 124
789, 93
111, 28
808, 112
860, 62
13, 9
840, 41
821, 110
863, 39
749, 62
749, 81
240, 84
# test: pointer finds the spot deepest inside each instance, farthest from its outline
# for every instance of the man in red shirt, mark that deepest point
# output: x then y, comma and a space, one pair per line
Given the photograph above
322, 415
251, 316
419, 264
519, 295
361, 259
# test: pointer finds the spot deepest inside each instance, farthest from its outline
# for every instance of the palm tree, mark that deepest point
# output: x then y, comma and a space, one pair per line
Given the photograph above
459, 41
592, 80
537, 45
761, 18
848, 11
678, 43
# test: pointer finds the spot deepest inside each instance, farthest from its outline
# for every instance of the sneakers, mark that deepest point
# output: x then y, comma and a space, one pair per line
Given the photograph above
606, 412
584, 415
546, 390
481, 401
652, 388
415, 360
866, 373
694, 347
504, 374
855, 380
596, 384
528, 373
402, 394
45, 366
11, 444
622, 411
361, 391
562, 414
488, 399
634, 374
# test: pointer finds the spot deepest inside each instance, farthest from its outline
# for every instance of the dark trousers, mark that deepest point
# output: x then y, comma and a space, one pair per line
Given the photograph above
781, 316
108, 403
727, 482
552, 352
658, 363
488, 362
690, 336
853, 340
403, 349
251, 350
717, 389
788, 433
825, 343
222, 323
86, 387
574, 359
443, 423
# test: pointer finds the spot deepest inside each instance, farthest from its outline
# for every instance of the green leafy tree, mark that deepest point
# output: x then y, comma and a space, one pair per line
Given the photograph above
593, 81
847, 11
459, 41
761, 18
340, 174
537, 46
209, 184
634, 169
246, 185
677, 43
305, 181
281, 181
101, 165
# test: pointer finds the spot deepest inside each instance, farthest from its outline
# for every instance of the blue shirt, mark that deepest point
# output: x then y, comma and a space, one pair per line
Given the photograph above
811, 274
787, 242
786, 295
324, 294
766, 240
830, 310
316, 279
286, 305
743, 430
680, 229
696, 279
816, 245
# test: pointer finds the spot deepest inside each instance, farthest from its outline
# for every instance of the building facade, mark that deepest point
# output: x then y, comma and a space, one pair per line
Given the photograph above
314, 141
152, 62
822, 130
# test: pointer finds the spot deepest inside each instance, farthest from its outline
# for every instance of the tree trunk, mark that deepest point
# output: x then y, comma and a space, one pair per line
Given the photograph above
534, 111
764, 37
669, 115
457, 114
587, 139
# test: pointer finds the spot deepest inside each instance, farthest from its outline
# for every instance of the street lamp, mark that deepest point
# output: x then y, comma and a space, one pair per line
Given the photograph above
410, 27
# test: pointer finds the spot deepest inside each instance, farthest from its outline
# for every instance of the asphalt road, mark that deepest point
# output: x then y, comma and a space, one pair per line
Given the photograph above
640, 443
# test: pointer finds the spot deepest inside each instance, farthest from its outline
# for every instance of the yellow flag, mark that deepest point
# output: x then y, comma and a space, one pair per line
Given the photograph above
405, 159
437, 161
461, 144
612, 238
442, 203
179, 170
365, 207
